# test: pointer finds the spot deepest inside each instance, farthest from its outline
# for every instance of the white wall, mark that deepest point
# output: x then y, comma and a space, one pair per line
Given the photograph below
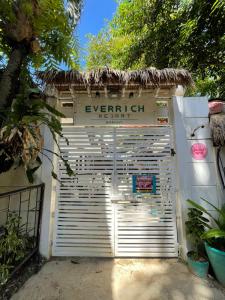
196, 178
13, 180
49, 196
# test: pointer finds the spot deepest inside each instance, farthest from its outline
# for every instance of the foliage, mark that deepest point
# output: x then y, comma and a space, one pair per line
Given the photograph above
21, 141
46, 26
99, 51
203, 46
12, 247
147, 38
195, 228
106, 51
218, 4
204, 86
214, 233
33, 34
171, 33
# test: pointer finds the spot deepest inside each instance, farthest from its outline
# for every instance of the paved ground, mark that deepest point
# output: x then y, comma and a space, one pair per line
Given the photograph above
119, 279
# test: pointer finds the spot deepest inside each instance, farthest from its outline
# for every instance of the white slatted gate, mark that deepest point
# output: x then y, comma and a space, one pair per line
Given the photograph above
97, 214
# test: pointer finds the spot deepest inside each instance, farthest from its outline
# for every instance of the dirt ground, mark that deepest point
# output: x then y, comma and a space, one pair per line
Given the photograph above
118, 279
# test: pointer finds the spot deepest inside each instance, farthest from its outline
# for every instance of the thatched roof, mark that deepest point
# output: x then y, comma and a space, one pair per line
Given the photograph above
151, 76
217, 126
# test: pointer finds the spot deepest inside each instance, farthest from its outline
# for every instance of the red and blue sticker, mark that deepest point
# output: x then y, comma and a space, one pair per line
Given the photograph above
144, 183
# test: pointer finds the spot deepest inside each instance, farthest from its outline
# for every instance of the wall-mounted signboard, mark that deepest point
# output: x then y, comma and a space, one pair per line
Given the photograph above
144, 183
139, 111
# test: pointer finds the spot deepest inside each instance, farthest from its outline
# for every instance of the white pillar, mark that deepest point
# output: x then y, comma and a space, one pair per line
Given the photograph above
196, 178
47, 223
182, 184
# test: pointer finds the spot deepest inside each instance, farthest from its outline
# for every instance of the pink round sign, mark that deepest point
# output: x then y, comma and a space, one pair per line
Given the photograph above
199, 151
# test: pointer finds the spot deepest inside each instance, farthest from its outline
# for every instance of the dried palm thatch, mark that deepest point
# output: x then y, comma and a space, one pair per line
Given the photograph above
32, 144
20, 142
217, 126
151, 76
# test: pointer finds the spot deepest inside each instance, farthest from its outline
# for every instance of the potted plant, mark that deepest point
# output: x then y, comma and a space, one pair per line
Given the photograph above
214, 237
197, 258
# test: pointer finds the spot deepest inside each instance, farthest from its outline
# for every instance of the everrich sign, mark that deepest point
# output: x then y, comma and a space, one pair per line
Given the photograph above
115, 108
121, 111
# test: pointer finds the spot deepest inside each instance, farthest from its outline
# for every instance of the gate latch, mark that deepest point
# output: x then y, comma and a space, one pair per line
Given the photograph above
172, 151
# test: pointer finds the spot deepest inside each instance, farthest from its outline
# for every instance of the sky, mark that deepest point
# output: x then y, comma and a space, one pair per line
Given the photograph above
93, 18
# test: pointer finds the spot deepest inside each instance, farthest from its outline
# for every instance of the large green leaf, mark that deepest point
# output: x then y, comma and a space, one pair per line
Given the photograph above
54, 111
220, 211
201, 208
30, 173
31, 119
198, 206
218, 4
213, 233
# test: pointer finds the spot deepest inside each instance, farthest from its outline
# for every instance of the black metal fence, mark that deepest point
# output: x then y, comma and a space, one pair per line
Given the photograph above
26, 205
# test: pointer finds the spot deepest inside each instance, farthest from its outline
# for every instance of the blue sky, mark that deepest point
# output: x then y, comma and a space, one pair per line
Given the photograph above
93, 18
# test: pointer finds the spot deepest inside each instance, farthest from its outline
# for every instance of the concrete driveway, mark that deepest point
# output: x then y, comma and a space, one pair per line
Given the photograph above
118, 279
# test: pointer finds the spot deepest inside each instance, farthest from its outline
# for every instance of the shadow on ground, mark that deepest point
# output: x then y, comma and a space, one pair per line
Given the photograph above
118, 279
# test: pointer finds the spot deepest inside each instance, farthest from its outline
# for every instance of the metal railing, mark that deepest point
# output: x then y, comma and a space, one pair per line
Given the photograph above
26, 204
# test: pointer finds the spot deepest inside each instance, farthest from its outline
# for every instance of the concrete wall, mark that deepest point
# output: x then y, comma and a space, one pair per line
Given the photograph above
13, 180
195, 178
49, 196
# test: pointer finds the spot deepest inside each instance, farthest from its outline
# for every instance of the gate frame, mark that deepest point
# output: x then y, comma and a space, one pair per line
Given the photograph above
49, 205
173, 176
183, 185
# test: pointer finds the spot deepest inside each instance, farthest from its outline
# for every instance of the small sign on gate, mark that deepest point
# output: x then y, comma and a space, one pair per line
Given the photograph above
144, 183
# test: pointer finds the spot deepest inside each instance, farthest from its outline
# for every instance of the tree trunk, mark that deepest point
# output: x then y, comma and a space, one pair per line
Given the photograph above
10, 77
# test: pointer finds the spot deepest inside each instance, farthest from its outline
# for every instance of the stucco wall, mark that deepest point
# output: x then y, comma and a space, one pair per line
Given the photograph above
196, 178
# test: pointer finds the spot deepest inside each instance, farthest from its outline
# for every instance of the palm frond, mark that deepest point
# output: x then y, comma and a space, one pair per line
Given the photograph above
73, 8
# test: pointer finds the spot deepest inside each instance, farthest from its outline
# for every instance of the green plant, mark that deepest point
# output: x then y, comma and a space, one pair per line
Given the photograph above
214, 232
12, 246
195, 228
21, 141
35, 34
165, 34
4, 273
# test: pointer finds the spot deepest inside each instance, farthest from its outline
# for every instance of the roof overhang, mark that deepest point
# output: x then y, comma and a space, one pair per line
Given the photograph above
99, 78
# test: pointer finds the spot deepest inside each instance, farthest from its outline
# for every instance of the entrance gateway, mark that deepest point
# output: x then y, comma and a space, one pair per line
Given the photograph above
121, 203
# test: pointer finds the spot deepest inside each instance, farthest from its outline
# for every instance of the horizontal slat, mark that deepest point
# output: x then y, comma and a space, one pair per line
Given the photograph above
82, 252
141, 254
152, 249
87, 225
144, 233
83, 223
145, 242
79, 232
73, 240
